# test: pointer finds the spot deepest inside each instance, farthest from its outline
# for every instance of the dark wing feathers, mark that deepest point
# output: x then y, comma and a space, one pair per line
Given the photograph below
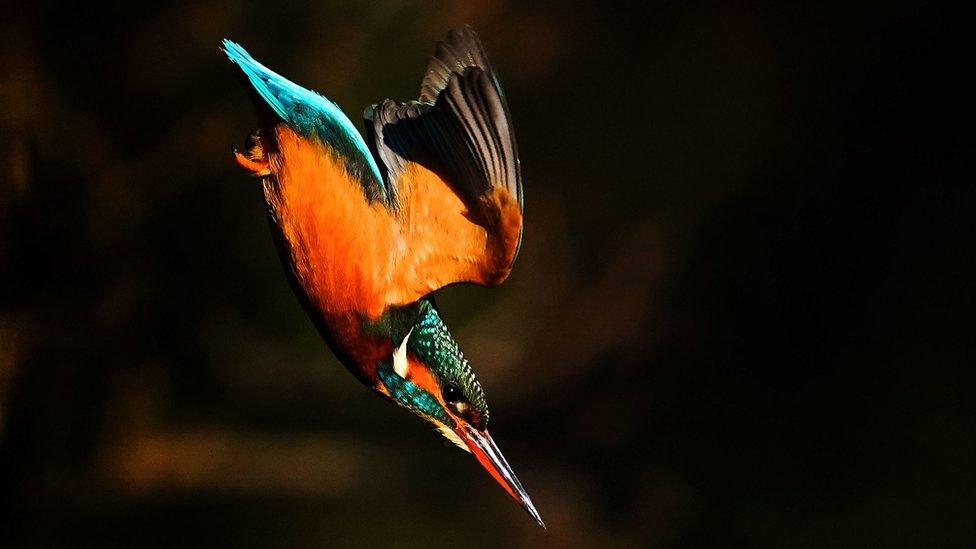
476, 102
460, 50
460, 128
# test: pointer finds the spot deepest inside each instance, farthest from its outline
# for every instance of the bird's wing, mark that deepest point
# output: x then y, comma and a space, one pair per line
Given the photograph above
451, 167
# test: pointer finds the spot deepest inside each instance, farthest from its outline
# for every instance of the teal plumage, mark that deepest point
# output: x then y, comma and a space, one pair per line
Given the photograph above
431, 342
411, 396
311, 115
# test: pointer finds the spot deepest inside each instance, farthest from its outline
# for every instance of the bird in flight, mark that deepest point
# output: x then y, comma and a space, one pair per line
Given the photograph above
368, 229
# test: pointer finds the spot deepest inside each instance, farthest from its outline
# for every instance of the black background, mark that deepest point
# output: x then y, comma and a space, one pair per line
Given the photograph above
742, 315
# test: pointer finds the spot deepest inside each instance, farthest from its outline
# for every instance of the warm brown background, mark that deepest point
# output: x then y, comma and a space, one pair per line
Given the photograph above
742, 316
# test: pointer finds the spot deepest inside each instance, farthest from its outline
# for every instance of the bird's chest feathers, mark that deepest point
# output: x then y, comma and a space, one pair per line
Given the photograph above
353, 255
337, 243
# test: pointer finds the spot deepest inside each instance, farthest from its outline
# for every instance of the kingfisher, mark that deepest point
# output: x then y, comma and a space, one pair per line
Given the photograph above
369, 226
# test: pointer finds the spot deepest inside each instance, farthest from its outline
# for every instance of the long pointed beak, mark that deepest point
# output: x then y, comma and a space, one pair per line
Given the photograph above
491, 458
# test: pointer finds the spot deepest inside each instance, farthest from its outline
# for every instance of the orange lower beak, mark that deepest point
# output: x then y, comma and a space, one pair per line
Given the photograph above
491, 458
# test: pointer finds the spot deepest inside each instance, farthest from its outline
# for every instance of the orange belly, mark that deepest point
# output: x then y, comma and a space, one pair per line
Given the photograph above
353, 255
338, 244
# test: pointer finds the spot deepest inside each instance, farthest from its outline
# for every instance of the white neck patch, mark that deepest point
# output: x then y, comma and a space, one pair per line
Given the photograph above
400, 365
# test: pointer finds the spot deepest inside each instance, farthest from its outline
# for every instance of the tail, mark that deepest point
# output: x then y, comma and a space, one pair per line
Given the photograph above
273, 90
306, 112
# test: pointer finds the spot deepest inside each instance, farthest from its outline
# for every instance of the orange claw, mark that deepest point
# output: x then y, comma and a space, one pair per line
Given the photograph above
258, 168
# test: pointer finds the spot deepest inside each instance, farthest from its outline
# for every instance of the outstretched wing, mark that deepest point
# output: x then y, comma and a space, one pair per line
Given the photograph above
451, 168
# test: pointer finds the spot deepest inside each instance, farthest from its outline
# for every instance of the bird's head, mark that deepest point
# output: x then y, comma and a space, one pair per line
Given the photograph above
428, 374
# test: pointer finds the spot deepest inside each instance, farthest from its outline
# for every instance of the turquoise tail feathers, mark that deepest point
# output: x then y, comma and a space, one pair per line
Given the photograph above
307, 112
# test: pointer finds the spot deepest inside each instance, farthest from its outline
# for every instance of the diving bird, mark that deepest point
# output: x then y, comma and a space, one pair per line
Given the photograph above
368, 229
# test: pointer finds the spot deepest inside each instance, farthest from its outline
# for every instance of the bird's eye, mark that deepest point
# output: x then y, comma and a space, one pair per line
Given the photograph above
452, 393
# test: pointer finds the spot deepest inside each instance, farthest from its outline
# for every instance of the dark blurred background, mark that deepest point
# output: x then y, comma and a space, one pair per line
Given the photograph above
742, 316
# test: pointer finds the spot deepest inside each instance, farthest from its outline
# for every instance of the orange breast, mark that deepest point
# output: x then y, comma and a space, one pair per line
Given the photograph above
339, 243
351, 256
